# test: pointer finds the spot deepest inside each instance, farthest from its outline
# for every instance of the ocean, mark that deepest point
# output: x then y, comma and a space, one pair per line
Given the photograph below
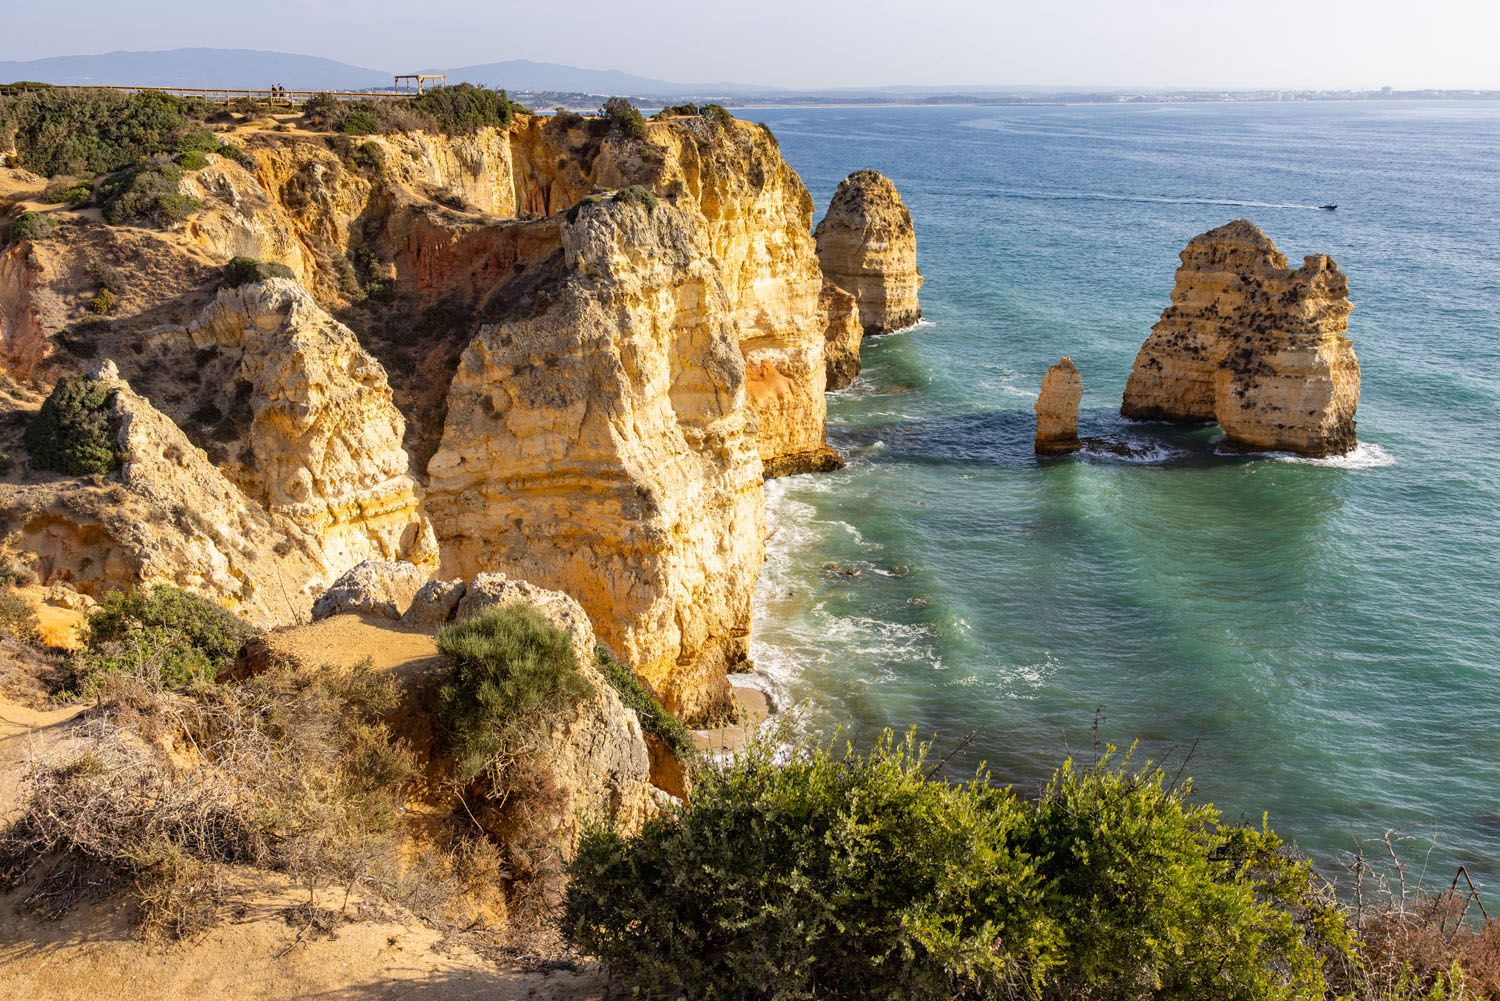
1320, 638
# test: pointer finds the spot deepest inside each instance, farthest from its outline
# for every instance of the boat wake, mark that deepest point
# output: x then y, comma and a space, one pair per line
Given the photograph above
1102, 196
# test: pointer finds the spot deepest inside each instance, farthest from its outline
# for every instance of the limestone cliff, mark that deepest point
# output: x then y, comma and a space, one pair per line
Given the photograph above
603, 444
1057, 409
173, 518
842, 334
1253, 344
323, 445
867, 246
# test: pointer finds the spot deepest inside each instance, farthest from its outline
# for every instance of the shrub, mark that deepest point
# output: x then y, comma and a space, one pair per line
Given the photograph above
717, 114
162, 635
359, 123
198, 142
799, 873
512, 670
31, 226
191, 160
70, 191
322, 111
292, 770
583, 203
102, 303
148, 192
17, 617
635, 195
233, 152
623, 117
64, 131
677, 111
466, 108
655, 720
74, 431
247, 270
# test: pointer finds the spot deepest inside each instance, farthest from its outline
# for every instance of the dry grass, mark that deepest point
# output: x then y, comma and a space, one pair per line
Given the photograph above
291, 771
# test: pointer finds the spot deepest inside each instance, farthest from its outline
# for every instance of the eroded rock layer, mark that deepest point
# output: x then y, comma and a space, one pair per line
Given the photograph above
1057, 409
604, 446
842, 335
867, 246
323, 443
1253, 344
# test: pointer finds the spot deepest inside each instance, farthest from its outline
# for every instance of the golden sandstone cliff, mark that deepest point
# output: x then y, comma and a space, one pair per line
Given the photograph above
548, 349
1253, 344
867, 246
605, 445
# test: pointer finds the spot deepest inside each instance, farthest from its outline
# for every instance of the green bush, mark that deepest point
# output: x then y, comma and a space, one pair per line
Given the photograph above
799, 873
717, 114
466, 108
655, 720
201, 141
70, 191
17, 617
191, 160
31, 226
149, 192
359, 123
512, 670
623, 117
233, 152
165, 635
102, 303
635, 195
247, 270
62, 131
74, 431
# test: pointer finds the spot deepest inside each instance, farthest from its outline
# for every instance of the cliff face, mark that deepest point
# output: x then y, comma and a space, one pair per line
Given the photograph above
867, 246
732, 181
173, 518
323, 443
1057, 409
1254, 345
603, 445
842, 335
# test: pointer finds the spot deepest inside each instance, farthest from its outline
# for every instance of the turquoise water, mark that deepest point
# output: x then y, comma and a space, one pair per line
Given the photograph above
1328, 633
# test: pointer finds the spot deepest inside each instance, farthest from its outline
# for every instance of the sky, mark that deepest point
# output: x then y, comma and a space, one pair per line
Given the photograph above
1289, 44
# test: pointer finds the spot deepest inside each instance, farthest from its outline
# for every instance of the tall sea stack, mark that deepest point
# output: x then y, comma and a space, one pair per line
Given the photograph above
867, 246
1057, 409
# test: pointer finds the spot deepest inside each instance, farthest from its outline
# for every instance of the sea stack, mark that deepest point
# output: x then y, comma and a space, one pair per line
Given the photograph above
842, 334
866, 246
1057, 409
1253, 344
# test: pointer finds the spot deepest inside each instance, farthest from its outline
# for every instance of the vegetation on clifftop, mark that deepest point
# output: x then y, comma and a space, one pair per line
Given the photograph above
162, 636
452, 110
801, 872
74, 431
512, 671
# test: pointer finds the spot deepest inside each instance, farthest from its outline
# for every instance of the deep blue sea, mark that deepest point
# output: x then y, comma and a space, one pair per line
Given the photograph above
1327, 633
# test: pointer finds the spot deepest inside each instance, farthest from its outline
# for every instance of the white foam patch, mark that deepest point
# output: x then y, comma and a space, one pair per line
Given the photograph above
1366, 455
1149, 453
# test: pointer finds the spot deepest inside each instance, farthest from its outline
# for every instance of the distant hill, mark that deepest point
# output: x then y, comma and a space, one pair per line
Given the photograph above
236, 68
524, 74
248, 68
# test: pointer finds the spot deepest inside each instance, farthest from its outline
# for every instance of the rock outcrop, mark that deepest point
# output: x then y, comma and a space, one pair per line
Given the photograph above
867, 246
173, 518
1057, 409
323, 444
383, 588
842, 334
1253, 344
603, 445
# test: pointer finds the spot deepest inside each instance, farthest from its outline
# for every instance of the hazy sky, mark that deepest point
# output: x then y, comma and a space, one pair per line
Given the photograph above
1245, 43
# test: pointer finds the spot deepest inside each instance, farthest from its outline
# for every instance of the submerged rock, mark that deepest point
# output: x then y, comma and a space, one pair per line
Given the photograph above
1057, 409
867, 246
1254, 345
